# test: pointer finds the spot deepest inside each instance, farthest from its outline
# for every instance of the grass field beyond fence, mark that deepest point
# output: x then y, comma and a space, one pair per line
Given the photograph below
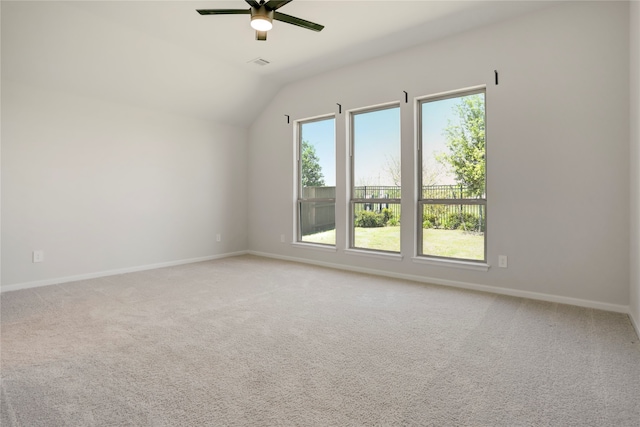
444, 243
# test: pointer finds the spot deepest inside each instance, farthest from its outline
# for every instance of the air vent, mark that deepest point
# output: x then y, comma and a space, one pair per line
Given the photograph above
259, 61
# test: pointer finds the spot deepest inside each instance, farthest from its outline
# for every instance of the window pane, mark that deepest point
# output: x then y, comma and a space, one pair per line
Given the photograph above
453, 147
318, 222
376, 175
453, 167
317, 185
318, 154
377, 226
454, 231
376, 148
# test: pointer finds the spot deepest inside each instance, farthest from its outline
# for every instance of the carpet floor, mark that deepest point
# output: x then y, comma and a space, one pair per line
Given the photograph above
250, 341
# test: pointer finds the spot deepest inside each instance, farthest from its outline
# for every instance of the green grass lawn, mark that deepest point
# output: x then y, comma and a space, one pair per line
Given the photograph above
444, 243
378, 238
325, 237
453, 243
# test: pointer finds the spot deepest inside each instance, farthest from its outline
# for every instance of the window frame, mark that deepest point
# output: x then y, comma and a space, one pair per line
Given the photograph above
300, 199
353, 200
421, 202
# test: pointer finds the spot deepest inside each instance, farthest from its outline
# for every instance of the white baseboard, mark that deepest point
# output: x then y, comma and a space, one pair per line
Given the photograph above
464, 285
58, 280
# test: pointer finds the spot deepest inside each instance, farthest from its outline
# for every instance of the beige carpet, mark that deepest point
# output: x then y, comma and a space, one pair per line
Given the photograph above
249, 341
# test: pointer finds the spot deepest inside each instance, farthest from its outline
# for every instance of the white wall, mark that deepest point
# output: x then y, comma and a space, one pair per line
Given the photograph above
101, 187
557, 148
635, 162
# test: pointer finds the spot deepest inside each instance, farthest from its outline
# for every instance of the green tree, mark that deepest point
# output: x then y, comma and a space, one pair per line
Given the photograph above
466, 143
311, 170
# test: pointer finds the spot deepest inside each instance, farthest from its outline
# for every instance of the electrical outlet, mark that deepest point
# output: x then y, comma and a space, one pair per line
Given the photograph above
218, 237
282, 238
502, 261
38, 256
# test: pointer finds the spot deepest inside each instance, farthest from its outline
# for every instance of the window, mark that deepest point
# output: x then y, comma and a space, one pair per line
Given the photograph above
375, 179
452, 201
317, 181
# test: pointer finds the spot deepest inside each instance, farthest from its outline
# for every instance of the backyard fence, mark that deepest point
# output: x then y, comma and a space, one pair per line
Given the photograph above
454, 217
319, 216
377, 192
447, 192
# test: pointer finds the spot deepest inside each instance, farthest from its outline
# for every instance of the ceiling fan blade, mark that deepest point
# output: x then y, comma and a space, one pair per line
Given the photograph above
253, 3
297, 21
276, 4
261, 35
224, 11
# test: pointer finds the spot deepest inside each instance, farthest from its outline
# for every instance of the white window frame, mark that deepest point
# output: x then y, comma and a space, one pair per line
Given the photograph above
421, 202
352, 199
300, 199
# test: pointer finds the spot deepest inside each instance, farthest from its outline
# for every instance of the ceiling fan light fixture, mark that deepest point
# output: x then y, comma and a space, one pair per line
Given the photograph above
261, 19
261, 24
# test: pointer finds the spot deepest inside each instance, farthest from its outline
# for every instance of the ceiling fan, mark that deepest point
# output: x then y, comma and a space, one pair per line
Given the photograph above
262, 15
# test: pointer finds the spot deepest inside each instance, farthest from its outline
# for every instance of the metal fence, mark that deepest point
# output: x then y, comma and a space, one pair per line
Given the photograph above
449, 216
377, 192
320, 216
454, 217
428, 192
447, 192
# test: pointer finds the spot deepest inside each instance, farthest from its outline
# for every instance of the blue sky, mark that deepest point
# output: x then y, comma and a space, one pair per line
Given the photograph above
377, 141
322, 134
435, 119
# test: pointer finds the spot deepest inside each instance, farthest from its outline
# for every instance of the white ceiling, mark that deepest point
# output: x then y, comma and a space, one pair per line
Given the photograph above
164, 55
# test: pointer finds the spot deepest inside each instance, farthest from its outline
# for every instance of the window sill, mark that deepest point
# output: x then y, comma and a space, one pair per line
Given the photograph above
314, 246
374, 254
465, 265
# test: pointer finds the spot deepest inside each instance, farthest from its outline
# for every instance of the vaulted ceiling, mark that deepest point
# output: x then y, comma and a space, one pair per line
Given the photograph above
163, 55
